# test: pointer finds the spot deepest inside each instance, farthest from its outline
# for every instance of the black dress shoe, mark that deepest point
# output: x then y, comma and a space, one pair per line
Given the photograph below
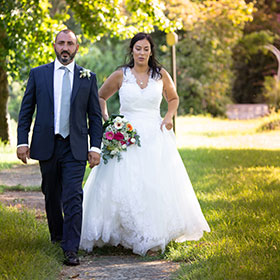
71, 258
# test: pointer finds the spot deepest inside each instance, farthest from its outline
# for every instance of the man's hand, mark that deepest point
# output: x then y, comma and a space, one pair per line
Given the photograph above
23, 153
93, 159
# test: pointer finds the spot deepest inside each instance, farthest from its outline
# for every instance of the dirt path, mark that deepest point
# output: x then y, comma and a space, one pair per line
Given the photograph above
24, 175
128, 267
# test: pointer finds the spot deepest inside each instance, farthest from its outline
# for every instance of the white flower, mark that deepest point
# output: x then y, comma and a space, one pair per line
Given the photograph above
124, 146
114, 152
118, 125
85, 73
132, 140
118, 119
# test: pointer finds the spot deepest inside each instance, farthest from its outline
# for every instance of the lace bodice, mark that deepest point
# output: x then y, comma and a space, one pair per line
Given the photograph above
135, 100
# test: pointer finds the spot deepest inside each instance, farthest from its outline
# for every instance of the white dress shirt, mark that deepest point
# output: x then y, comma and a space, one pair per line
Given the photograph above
57, 88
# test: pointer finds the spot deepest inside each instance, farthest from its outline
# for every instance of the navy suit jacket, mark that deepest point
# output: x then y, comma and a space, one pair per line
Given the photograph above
85, 114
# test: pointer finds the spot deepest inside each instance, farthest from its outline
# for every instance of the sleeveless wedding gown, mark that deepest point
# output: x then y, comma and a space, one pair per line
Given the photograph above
146, 199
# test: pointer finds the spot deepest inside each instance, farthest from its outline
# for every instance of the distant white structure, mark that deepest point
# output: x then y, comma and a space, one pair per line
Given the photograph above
246, 111
276, 52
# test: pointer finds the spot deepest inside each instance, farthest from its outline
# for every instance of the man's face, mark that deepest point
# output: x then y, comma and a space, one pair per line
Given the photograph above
65, 47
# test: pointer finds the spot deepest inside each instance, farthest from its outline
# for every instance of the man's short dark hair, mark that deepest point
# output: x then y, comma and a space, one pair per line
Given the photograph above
66, 31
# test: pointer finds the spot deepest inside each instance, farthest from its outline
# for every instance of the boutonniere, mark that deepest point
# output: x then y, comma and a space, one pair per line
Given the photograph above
85, 73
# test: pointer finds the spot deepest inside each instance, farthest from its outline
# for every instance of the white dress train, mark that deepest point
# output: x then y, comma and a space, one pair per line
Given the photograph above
146, 199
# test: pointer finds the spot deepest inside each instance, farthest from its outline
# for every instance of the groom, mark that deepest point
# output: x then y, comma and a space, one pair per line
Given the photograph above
67, 111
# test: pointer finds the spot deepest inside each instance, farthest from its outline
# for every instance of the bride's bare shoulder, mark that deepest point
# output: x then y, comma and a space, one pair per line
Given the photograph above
118, 74
164, 73
115, 79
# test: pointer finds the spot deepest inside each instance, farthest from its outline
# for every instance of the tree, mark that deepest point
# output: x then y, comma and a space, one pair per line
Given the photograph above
121, 18
27, 29
104, 65
252, 63
211, 30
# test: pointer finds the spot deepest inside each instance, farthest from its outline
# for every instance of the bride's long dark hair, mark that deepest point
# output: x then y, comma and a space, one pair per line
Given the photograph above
154, 65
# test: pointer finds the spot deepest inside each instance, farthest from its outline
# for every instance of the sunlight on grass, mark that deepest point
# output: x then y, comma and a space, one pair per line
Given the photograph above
239, 194
8, 156
200, 131
8, 152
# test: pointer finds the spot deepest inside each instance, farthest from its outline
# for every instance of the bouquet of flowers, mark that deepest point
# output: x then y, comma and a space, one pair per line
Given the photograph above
118, 135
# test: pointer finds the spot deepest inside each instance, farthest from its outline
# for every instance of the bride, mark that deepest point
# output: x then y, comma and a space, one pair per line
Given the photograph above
146, 199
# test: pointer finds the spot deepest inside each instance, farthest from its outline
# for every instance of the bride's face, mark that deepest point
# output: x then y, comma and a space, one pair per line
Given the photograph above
141, 52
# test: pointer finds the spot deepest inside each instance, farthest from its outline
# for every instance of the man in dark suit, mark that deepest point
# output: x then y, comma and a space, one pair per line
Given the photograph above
67, 110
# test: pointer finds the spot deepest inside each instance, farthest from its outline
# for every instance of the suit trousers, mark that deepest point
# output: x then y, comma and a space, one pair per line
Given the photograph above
62, 178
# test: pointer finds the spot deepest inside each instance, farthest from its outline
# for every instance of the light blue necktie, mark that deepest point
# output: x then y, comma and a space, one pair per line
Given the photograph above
65, 104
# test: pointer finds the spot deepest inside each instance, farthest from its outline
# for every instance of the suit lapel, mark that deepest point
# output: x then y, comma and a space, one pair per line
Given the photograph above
49, 79
76, 82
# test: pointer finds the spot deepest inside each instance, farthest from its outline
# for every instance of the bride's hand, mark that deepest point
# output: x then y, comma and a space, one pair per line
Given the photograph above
105, 117
167, 121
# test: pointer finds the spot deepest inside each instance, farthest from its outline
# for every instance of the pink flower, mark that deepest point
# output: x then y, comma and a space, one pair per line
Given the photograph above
118, 136
109, 135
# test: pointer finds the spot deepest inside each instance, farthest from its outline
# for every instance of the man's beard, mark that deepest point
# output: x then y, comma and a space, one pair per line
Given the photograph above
65, 60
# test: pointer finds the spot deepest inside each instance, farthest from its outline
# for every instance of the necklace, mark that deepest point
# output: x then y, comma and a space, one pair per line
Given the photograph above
138, 80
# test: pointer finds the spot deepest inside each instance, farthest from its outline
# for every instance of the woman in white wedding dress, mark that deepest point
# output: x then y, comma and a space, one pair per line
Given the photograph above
146, 199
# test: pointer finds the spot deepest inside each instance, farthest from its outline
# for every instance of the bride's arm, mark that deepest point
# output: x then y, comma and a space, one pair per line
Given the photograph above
109, 88
172, 98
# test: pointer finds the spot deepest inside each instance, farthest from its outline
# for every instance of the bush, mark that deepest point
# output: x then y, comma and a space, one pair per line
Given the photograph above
272, 92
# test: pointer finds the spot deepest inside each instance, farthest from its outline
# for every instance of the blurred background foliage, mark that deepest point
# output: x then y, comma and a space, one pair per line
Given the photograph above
220, 54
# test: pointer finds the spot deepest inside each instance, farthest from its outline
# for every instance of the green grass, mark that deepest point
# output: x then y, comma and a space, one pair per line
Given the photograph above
201, 131
8, 152
25, 249
239, 193
20, 188
7, 156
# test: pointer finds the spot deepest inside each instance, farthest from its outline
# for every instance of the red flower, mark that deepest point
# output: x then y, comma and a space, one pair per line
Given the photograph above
118, 136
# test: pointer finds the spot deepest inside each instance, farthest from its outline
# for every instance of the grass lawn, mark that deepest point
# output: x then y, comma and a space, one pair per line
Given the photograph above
7, 156
239, 194
235, 171
25, 249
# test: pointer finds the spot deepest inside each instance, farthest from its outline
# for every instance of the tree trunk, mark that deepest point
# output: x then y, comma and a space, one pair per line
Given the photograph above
4, 93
